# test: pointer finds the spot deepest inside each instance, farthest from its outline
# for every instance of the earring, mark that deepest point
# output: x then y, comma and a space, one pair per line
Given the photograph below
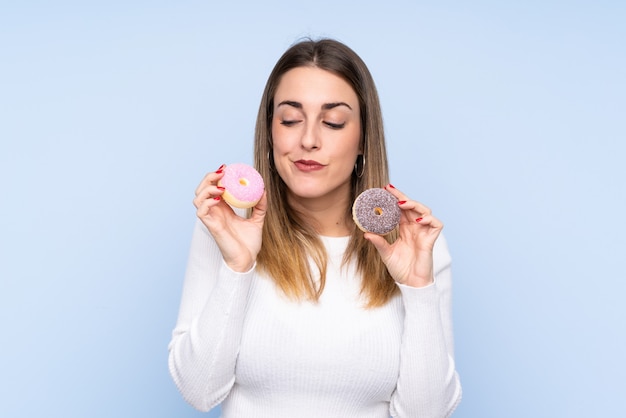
359, 173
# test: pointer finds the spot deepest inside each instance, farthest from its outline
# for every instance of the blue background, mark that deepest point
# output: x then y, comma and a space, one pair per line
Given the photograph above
508, 119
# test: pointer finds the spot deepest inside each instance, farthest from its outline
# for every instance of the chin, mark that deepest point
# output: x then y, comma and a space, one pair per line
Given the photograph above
305, 194
316, 191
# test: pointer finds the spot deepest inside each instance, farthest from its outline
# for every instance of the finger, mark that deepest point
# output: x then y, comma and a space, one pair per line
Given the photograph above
397, 193
429, 220
416, 207
208, 192
259, 210
204, 208
379, 242
404, 201
211, 178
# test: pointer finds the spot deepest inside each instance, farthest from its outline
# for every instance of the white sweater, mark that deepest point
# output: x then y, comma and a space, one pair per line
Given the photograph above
240, 342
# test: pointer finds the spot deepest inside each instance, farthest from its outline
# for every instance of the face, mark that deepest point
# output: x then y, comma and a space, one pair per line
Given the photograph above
316, 129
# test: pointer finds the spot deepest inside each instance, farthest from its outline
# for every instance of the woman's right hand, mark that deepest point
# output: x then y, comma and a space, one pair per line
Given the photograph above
239, 239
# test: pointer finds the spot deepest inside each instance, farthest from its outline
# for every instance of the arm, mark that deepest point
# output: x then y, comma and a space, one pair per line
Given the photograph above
205, 342
419, 261
428, 384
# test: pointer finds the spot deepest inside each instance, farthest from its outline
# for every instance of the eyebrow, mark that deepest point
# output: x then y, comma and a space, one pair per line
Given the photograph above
325, 106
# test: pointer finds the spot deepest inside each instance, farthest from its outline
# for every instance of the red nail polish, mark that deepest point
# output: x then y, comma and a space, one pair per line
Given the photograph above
391, 185
419, 220
401, 202
219, 171
217, 198
222, 166
221, 188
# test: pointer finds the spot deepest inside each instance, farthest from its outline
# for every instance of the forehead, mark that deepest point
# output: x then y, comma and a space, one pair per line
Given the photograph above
314, 86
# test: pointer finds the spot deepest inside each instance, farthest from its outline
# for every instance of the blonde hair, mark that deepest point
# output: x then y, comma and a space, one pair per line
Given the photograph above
288, 240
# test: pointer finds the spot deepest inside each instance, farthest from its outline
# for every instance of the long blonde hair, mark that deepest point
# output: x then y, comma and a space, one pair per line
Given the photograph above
288, 240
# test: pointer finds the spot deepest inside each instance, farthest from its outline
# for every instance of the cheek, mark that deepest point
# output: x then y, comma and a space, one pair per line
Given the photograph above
280, 148
278, 135
283, 141
353, 142
274, 131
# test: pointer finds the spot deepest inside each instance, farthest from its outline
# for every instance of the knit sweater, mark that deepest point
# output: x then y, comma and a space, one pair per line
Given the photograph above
241, 342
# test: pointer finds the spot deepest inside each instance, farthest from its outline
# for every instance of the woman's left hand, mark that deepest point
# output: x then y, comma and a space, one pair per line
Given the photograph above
410, 258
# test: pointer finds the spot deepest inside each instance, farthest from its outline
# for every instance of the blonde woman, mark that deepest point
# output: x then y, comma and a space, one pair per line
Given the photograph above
290, 310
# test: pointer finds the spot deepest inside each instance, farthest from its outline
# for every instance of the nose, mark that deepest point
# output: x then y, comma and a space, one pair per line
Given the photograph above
310, 137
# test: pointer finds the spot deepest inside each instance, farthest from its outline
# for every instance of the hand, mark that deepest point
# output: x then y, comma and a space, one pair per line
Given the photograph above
409, 259
238, 239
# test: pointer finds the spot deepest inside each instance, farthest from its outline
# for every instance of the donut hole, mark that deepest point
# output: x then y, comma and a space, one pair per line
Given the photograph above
378, 211
243, 182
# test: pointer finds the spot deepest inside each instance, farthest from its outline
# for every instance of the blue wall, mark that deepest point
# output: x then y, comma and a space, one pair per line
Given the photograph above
508, 120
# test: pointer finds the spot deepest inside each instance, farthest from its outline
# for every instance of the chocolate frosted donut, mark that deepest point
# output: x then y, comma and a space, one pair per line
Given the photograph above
377, 211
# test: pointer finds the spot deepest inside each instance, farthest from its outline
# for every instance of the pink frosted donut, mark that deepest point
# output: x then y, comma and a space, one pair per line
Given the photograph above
377, 211
244, 185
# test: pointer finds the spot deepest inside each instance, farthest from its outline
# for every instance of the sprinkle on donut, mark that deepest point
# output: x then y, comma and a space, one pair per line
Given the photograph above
376, 210
244, 185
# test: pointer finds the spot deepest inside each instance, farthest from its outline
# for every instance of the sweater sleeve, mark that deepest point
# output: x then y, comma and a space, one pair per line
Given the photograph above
205, 341
428, 384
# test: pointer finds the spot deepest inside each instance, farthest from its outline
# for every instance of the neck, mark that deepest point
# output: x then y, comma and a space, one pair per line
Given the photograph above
328, 214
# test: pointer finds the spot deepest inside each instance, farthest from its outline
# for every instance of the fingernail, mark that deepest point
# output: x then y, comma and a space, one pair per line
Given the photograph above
419, 220
219, 171
222, 166
401, 202
221, 188
217, 198
391, 185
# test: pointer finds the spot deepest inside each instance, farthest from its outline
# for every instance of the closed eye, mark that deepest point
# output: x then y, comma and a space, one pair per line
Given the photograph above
335, 125
289, 122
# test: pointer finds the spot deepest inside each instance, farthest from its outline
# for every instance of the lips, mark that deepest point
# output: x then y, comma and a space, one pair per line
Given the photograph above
308, 165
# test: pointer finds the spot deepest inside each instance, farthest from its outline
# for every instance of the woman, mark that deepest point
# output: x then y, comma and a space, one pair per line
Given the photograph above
291, 310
